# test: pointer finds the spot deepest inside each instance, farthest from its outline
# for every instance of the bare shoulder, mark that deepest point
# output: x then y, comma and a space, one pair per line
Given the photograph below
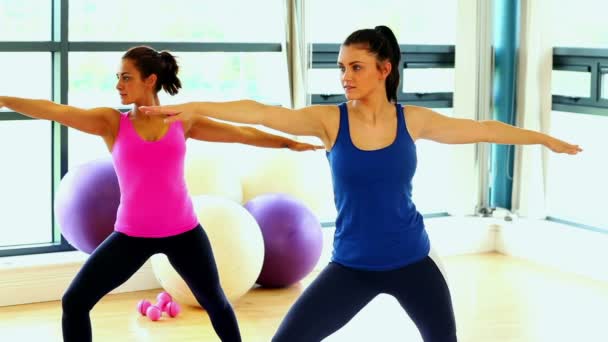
112, 114
317, 110
329, 117
416, 118
112, 117
320, 117
415, 111
322, 112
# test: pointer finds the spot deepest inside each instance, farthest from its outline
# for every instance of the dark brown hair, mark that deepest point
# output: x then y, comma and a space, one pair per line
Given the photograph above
163, 64
381, 42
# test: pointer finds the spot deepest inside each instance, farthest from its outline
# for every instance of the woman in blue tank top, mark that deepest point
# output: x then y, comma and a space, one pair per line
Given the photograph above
380, 244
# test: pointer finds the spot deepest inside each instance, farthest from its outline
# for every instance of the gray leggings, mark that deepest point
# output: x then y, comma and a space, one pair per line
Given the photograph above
340, 292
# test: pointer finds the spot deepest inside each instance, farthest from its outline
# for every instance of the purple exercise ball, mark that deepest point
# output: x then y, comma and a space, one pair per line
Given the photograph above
292, 238
86, 204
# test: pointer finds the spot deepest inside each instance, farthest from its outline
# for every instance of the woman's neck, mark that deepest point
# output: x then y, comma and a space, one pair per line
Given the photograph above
152, 101
373, 108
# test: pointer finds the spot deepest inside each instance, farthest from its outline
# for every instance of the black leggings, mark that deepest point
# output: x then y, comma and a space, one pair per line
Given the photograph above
340, 292
120, 256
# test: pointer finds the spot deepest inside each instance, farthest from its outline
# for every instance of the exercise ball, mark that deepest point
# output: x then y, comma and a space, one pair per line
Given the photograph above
86, 204
210, 173
303, 175
238, 248
292, 238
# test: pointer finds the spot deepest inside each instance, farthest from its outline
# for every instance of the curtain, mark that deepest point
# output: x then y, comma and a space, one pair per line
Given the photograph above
298, 53
533, 109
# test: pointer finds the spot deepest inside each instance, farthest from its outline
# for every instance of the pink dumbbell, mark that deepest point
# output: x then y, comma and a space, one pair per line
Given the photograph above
164, 303
142, 306
173, 309
162, 299
154, 313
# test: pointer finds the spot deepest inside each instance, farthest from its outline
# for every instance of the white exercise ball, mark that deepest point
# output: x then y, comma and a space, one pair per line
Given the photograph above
238, 248
209, 172
303, 175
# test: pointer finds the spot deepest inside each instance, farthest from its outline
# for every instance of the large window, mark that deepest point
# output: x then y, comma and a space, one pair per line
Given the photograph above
576, 190
25, 180
72, 49
177, 21
580, 115
412, 21
580, 112
25, 20
26, 74
580, 23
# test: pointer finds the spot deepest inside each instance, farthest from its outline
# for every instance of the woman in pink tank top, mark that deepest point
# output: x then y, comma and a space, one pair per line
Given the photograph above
155, 213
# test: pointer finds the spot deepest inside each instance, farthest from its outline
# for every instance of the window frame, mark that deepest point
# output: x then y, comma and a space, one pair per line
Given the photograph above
594, 61
59, 47
324, 56
589, 60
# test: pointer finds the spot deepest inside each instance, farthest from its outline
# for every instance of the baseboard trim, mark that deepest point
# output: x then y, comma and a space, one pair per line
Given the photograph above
41, 278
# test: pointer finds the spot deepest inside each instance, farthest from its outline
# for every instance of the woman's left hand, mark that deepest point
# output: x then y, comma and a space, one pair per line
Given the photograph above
559, 146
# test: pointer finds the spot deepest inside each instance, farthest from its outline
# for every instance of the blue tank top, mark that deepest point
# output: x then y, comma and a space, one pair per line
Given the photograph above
378, 226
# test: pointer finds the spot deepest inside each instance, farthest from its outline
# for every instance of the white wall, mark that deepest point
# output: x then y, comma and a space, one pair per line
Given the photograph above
560, 246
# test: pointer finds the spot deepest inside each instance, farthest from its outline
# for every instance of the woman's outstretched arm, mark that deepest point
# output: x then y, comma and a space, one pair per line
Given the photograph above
96, 121
428, 124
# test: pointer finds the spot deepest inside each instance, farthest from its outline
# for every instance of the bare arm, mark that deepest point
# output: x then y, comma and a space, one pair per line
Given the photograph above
309, 121
94, 121
203, 128
427, 124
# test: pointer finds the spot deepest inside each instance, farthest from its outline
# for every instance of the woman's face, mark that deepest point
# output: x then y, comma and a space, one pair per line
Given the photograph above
360, 72
130, 85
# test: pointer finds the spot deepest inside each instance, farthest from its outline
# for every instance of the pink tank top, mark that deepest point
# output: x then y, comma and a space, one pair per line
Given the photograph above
154, 200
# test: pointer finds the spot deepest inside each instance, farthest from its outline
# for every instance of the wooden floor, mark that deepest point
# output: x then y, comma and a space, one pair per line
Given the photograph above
496, 298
